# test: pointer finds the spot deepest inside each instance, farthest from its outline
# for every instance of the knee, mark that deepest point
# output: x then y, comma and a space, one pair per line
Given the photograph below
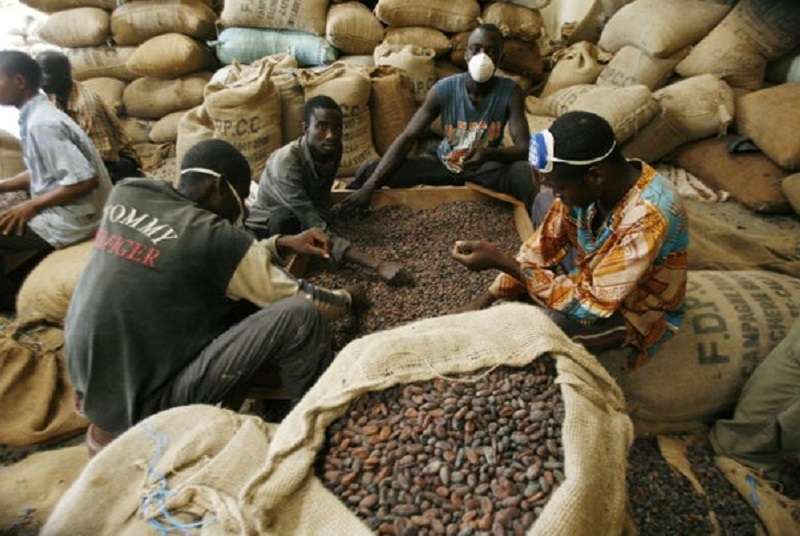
298, 311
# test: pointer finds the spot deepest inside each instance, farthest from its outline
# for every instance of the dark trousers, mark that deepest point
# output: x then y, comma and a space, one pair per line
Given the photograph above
123, 168
288, 338
513, 179
19, 254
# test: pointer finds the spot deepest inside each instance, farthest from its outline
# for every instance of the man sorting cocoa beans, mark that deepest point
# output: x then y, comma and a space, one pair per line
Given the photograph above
294, 192
626, 229
474, 108
163, 315
87, 109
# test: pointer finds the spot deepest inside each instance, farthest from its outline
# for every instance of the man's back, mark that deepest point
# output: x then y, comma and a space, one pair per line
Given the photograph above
152, 296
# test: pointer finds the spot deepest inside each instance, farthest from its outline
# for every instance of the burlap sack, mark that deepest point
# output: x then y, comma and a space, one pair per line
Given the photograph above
133, 23
11, 162
137, 130
39, 482
51, 6
165, 130
581, 63
727, 236
391, 105
627, 109
419, 37
79, 27
733, 320
445, 68
46, 292
530, 4
692, 109
37, 402
245, 110
292, 103
791, 188
247, 45
352, 28
101, 61
751, 178
514, 21
109, 90
351, 89
169, 56
249, 480
632, 66
153, 155
360, 61
153, 98
661, 28
415, 61
445, 15
754, 32
579, 20
301, 15
770, 118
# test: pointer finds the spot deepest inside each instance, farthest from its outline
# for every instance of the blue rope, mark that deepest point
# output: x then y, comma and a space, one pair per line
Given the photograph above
157, 498
755, 501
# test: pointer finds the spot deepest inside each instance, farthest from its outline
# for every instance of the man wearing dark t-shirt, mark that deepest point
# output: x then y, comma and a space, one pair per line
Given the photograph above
149, 325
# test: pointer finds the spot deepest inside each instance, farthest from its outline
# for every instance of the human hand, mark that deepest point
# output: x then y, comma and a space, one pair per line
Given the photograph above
358, 200
16, 218
476, 255
475, 158
311, 242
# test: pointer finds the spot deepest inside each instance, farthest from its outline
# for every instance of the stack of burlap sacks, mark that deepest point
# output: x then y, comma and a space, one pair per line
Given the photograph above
674, 77
382, 78
147, 59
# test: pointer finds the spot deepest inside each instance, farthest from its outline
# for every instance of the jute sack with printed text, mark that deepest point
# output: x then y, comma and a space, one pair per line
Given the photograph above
302, 15
235, 476
733, 320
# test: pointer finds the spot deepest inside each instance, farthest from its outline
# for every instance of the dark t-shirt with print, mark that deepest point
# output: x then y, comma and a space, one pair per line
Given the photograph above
151, 298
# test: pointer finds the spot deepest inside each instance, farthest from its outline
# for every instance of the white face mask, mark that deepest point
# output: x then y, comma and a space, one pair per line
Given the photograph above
481, 67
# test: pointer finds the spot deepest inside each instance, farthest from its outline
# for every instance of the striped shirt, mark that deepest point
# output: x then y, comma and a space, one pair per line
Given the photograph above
635, 263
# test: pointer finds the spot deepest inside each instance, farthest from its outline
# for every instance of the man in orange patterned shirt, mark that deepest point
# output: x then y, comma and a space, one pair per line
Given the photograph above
627, 229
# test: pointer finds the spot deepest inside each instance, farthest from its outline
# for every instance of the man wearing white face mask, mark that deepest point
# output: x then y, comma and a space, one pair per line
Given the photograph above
474, 108
165, 312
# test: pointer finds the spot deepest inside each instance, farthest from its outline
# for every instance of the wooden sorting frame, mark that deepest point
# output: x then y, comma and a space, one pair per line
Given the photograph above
417, 198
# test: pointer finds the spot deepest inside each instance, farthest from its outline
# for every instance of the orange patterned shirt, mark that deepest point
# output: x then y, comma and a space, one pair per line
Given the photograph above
635, 263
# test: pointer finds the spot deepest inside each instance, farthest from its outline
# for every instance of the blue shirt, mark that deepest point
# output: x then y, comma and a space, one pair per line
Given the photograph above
58, 153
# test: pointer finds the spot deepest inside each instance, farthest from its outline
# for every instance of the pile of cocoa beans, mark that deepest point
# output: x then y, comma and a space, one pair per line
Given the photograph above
478, 454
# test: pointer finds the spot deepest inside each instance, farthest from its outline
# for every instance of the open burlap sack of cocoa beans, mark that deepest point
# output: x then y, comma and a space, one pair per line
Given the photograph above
231, 475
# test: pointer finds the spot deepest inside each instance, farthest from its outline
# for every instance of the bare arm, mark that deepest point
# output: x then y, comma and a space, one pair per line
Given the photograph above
397, 152
399, 149
15, 218
17, 183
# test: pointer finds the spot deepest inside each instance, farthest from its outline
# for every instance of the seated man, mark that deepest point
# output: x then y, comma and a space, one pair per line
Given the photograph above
91, 113
627, 228
65, 176
154, 321
474, 109
294, 192
765, 429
